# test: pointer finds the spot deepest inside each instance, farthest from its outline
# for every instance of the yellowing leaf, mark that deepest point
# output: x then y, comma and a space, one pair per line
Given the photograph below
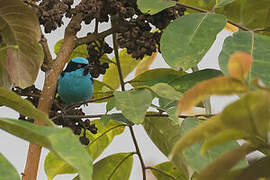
214, 86
200, 132
128, 64
239, 65
230, 27
20, 32
145, 64
222, 137
221, 165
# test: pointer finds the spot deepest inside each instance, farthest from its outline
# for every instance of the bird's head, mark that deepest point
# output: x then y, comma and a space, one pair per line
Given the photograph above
77, 63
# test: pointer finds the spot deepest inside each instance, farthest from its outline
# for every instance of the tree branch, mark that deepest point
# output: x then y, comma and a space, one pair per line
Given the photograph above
47, 94
92, 37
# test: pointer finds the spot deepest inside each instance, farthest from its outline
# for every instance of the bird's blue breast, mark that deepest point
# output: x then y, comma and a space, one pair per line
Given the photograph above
74, 86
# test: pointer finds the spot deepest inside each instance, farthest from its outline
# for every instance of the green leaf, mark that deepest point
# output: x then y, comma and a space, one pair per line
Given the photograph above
250, 114
154, 6
20, 32
167, 171
239, 12
221, 3
114, 167
225, 162
192, 154
101, 90
187, 39
24, 107
256, 170
128, 64
215, 86
105, 134
187, 81
119, 117
255, 44
203, 4
110, 104
154, 76
54, 165
162, 132
133, 104
80, 51
7, 170
71, 151
166, 91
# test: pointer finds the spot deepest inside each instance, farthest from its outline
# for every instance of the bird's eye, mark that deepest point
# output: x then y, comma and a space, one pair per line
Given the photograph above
79, 66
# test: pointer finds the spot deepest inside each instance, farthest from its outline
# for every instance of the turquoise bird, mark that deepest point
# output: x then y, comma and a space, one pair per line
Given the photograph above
75, 83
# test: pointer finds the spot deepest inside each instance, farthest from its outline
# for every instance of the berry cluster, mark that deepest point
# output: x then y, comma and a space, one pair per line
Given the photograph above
97, 50
77, 125
51, 13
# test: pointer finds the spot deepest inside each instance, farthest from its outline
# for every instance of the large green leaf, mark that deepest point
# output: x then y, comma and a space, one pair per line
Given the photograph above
54, 165
192, 154
187, 39
20, 31
166, 91
154, 6
101, 90
167, 171
104, 136
7, 170
221, 3
14, 101
255, 44
162, 132
154, 76
239, 12
187, 81
133, 104
128, 64
61, 141
114, 167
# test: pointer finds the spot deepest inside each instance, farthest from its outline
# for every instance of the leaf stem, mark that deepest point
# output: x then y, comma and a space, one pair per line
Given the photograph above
199, 116
115, 47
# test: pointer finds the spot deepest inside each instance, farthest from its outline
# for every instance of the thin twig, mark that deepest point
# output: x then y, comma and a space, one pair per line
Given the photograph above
115, 47
92, 37
199, 116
